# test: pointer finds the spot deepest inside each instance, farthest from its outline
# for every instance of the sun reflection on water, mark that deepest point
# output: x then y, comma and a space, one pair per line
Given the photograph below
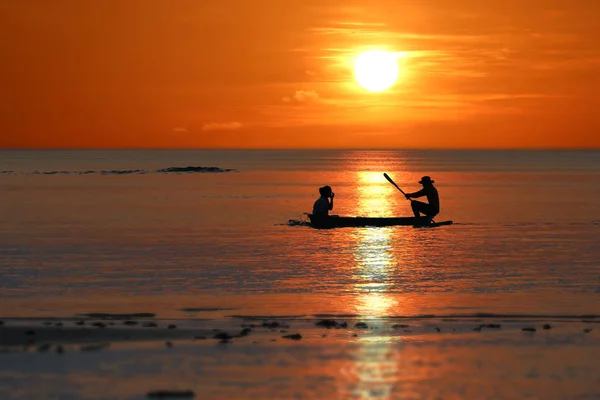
372, 375
374, 261
374, 195
373, 253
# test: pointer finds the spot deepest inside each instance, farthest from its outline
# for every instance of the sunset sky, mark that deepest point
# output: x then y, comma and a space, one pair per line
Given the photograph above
279, 74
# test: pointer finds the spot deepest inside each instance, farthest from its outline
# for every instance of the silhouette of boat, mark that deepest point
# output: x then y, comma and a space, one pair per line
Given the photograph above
335, 221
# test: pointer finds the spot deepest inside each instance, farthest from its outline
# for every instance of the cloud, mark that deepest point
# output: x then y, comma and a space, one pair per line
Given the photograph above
302, 96
179, 129
221, 126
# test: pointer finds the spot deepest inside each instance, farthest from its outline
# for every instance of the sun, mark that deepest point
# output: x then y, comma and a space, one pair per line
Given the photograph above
376, 70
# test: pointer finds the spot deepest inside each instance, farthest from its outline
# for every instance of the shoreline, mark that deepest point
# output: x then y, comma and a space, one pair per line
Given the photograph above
44, 331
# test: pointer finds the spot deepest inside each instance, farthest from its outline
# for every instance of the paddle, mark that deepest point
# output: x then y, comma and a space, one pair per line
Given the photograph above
390, 180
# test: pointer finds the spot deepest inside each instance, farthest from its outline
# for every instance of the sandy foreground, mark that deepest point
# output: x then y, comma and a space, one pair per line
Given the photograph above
136, 357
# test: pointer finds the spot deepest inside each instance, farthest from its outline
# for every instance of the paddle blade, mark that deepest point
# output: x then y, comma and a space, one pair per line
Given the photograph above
390, 180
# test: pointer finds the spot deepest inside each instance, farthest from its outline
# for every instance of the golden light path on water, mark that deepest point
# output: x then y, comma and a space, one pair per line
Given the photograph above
373, 373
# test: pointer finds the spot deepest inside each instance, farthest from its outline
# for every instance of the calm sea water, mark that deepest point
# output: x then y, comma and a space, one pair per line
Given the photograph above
525, 238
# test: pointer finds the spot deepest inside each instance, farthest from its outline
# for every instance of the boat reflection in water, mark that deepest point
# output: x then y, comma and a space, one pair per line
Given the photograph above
373, 373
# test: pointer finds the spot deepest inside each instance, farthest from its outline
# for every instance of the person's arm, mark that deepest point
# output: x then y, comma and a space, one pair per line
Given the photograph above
331, 202
420, 193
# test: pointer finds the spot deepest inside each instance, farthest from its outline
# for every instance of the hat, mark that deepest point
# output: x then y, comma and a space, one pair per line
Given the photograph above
426, 179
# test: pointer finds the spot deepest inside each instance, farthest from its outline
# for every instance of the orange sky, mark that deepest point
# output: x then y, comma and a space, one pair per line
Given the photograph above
278, 73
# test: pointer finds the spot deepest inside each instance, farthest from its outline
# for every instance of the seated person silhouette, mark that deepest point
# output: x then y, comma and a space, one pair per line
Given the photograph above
322, 206
429, 210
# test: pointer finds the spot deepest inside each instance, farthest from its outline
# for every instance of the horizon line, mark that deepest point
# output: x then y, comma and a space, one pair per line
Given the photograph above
302, 149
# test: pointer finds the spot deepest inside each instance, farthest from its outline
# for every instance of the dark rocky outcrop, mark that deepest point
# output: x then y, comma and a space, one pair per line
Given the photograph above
294, 336
171, 394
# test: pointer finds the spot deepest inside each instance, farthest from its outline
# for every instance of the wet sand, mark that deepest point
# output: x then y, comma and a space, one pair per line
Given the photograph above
243, 358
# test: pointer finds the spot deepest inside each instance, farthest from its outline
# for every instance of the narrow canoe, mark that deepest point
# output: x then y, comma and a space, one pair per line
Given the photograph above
335, 221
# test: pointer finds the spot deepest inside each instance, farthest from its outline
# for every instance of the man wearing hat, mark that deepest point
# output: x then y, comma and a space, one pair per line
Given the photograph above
433, 208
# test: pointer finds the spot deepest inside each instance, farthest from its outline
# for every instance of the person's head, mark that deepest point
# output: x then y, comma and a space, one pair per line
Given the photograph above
426, 181
325, 191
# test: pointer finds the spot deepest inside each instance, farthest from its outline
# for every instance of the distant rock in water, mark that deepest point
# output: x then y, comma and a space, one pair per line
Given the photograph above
327, 323
51, 172
330, 323
270, 325
171, 394
193, 169
223, 336
94, 347
188, 169
294, 336
493, 326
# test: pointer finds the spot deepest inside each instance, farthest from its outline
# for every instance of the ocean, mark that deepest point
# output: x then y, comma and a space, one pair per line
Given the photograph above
135, 274
156, 231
